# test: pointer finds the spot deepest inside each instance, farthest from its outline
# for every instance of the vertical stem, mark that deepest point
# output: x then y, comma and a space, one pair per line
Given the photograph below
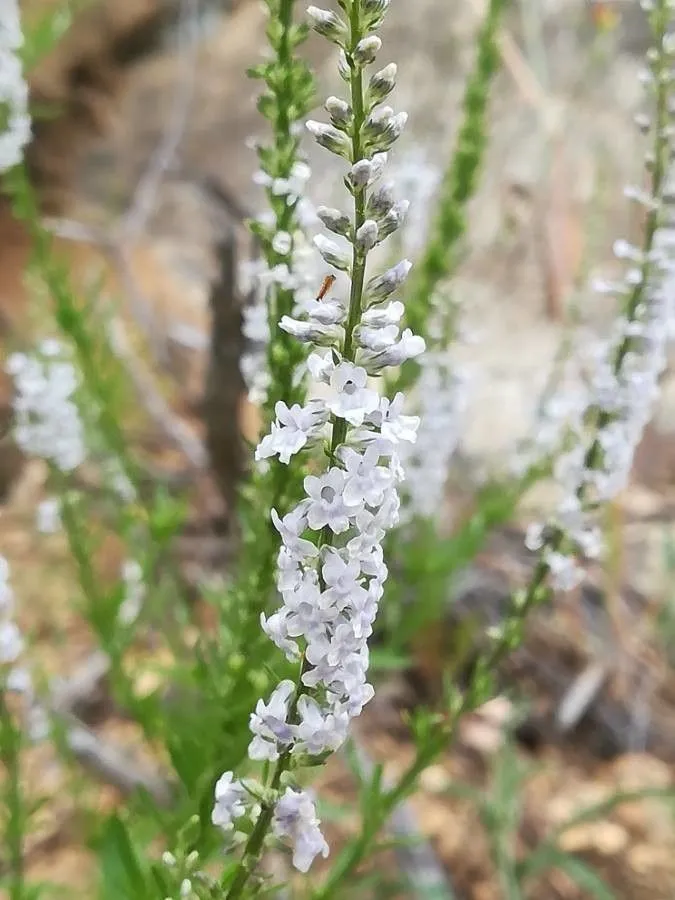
10, 747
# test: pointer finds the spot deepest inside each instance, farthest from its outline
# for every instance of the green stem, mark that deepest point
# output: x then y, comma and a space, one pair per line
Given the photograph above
440, 256
10, 747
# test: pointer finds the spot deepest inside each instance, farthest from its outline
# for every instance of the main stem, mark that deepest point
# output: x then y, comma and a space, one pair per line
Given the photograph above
255, 843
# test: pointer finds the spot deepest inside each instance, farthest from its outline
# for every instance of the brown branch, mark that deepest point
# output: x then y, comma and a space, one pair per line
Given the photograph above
224, 384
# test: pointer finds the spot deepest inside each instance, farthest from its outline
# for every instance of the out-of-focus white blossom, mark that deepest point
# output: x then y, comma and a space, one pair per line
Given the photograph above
15, 125
134, 592
604, 422
48, 516
442, 393
47, 421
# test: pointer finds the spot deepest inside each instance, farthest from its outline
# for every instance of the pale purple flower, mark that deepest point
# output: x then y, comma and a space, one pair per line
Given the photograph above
295, 818
269, 725
318, 730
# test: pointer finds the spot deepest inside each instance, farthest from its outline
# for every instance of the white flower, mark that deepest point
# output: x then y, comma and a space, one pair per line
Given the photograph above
269, 724
312, 331
295, 818
365, 481
230, 795
393, 424
282, 243
13, 89
394, 353
293, 428
565, 574
318, 730
48, 424
290, 528
11, 642
48, 516
327, 506
352, 400
276, 629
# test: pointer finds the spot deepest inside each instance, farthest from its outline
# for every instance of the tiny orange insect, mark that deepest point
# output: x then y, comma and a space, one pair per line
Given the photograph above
326, 285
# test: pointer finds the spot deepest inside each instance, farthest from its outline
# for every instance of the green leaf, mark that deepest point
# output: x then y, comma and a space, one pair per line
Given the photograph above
586, 878
121, 873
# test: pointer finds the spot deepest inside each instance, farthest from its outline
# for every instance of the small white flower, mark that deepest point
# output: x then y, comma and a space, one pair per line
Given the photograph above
318, 730
290, 528
393, 424
269, 725
290, 433
327, 506
365, 481
230, 796
11, 643
353, 400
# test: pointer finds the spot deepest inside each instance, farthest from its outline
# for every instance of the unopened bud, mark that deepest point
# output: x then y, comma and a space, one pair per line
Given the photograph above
329, 137
340, 112
332, 253
382, 84
334, 220
329, 24
366, 50
366, 236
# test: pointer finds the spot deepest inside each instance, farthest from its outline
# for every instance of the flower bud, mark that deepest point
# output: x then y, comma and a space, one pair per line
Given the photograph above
340, 112
381, 201
366, 50
394, 219
332, 253
334, 220
282, 242
382, 84
329, 137
382, 127
366, 236
374, 10
360, 173
381, 286
312, 332
329, 24
364, 172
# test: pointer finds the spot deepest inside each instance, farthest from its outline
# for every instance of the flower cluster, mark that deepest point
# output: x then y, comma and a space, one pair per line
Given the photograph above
274, 282
443, 400
298, 275
48, 423
15, 675
331, 570
14, 118
606, 420
11, 641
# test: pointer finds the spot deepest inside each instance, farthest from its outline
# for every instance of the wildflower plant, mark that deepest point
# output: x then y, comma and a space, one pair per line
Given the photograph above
331, 570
